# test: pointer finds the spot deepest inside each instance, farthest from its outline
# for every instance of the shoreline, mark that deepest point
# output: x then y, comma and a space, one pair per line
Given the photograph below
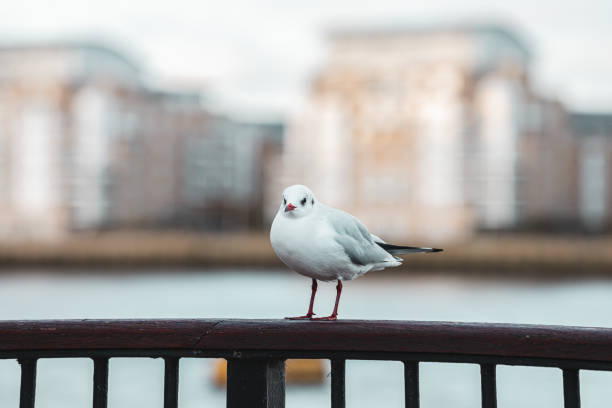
516, 254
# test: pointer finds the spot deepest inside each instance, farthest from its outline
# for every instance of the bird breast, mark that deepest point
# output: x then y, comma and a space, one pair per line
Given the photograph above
306, 246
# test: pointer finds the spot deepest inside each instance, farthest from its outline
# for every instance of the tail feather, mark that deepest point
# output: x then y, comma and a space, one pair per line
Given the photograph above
398, 249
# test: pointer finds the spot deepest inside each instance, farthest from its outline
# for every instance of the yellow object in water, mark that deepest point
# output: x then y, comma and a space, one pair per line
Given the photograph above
298, 371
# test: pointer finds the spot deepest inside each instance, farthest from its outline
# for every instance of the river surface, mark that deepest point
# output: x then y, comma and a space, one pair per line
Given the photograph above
224, 293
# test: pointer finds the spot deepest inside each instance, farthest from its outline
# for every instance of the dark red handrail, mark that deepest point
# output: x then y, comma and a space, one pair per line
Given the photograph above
486, 339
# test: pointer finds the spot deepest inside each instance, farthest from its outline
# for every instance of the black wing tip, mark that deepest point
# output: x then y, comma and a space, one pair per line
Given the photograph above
399, 249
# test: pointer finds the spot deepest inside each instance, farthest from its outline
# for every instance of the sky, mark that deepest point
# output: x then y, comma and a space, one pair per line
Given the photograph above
255, 59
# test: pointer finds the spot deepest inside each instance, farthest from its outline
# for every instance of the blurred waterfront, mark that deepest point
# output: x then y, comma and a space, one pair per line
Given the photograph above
503, 255
235, 293
432, 132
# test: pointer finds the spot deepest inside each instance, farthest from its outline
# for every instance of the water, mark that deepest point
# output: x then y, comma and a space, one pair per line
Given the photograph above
66, 383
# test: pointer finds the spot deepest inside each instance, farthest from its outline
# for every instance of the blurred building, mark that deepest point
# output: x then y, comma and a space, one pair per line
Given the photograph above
593, 132
62, 108
432, 132
223, 173
84, 143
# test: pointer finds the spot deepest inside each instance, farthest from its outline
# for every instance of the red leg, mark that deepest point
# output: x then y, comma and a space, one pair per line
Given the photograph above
334, 315
312, 298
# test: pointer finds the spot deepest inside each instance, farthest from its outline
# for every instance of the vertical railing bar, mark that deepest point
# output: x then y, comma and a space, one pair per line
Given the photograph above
571, 388
27, 392
255, 383
171, 379
338, 375
100, 379
411, 383
488, 385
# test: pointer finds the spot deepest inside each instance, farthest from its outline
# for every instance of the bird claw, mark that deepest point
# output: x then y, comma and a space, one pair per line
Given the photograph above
306, 317
326, 318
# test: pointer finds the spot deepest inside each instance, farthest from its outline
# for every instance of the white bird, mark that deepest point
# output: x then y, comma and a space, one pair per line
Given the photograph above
327, 244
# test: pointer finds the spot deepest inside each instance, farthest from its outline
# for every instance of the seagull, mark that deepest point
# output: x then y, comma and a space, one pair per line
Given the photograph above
327, 244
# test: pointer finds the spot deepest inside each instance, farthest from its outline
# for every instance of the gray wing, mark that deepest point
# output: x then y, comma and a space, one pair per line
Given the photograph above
356, 241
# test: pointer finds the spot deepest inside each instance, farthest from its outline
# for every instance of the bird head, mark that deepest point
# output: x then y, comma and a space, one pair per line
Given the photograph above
297, 201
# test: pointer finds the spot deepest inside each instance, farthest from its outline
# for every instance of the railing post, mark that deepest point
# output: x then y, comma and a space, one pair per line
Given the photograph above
255, 383
100, 385
488, 385
338, 378
411, 384
171, 379
27, 392
571, 388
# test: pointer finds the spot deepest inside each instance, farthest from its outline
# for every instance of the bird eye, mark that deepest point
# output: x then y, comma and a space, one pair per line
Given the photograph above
284, 201
303, 202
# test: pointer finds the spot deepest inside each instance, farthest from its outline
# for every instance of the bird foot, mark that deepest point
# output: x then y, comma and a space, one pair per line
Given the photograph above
305, 317
326, 318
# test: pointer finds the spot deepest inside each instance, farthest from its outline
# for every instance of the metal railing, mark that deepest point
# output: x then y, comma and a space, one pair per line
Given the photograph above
256, 351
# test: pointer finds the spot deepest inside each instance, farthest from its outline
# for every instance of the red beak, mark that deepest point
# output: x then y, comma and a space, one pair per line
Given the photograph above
290, 207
